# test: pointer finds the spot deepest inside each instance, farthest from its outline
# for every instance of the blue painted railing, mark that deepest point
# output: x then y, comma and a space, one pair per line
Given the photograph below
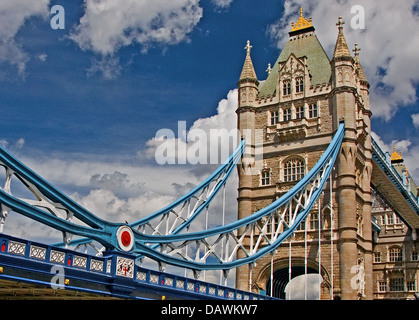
33, 262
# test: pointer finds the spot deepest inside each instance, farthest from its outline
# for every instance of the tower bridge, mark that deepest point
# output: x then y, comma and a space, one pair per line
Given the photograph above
317, 195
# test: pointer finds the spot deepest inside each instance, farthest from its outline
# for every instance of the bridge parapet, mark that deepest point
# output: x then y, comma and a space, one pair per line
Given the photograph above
389, 183
114, 274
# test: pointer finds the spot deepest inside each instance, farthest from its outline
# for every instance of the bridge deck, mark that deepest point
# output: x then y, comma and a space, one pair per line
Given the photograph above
388, 183
35, 268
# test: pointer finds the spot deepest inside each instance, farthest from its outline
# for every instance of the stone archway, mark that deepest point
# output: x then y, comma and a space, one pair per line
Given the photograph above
281, 280
281, 275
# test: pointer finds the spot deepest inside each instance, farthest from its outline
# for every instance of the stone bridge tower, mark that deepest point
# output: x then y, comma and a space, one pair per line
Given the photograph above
288, 120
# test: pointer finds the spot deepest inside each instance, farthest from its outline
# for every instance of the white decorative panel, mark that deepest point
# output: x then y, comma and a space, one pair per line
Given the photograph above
16, 248
202, 288
154, 278
191, 286
142, 276
37, 252
168, 281
96, 265
80, 262
124, 267
180, 284
57, 256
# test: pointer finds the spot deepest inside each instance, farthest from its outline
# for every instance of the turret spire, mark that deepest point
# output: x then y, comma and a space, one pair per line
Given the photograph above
248, 72
360, 71
341, 48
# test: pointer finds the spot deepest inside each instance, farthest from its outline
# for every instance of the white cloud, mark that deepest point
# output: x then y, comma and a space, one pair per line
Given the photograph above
68, 173
388, 51
118, 192
12, 147
108, 25
415, 119
115, 192
112, 208
42, 57
13, 15
108, 66
222, 4
209, 140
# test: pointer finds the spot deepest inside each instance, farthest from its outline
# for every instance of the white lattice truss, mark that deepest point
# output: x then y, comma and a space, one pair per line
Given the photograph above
244, 242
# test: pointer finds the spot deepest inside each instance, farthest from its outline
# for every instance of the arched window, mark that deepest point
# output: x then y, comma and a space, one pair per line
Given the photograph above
286, 89
299, 85
293, 170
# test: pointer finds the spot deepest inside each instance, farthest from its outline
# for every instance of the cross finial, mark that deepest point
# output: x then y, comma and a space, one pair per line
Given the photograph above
248, 46
301, 11
357, 49
340, 23
269, 69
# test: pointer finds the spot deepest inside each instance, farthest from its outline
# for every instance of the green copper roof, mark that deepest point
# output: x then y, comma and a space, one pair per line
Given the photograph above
318, 62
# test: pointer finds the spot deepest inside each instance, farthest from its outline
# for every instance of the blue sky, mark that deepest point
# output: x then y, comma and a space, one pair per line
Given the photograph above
63, 102
82, 105
60, 104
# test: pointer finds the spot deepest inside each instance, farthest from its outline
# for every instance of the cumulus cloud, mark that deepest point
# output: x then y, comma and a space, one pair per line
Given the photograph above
118, 191
13, 15
106, 204
208, 141
108, 25
388, 51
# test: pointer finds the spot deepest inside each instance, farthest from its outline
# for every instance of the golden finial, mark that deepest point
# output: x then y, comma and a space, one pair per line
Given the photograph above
396, 156
302, 22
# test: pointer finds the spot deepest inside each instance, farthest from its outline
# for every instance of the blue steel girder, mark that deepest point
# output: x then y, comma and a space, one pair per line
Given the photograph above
50, 204
217, 248
390, 185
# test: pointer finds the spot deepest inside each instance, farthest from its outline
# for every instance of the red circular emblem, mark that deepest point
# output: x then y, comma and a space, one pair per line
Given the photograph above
126, 238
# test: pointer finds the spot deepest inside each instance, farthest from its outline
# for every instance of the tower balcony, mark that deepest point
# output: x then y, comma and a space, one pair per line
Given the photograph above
294, 129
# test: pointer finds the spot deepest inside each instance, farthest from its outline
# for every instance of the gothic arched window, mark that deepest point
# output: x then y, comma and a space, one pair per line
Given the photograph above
293, 170
299, 85
286, 89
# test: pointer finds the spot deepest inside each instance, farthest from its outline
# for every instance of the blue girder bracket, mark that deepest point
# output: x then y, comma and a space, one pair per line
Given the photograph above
96, 229
322, 168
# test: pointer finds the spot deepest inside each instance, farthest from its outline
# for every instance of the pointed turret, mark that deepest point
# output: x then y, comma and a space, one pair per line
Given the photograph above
359, 70
248, 72
341, 48
248, 82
